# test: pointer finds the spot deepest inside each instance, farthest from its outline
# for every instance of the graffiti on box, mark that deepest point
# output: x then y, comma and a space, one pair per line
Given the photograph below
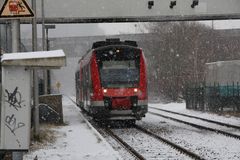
14, 100
12, 124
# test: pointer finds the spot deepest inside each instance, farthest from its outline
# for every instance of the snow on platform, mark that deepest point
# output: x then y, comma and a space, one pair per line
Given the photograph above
75, 141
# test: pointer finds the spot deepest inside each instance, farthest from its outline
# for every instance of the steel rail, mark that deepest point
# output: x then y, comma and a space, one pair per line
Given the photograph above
198, 126
203, 119
173, 145
137, 155
131, 150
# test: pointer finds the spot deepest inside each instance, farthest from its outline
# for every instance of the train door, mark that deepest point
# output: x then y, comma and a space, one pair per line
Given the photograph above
81, 87
85, 88
88, 85
77, 84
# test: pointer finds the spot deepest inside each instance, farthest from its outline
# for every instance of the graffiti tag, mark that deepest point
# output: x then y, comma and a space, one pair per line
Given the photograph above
14, 99
11, 123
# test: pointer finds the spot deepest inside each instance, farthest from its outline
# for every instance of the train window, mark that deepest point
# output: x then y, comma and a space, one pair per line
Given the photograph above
119, 67
118, 64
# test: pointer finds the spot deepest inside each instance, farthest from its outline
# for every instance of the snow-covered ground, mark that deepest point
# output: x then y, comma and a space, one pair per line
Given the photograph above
75, 141
207, 144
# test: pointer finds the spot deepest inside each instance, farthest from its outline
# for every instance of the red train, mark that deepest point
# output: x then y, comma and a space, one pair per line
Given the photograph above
111, 81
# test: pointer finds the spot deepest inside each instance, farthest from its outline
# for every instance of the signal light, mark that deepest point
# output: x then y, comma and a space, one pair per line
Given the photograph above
172, 4
105, 91
150, 4
194, 3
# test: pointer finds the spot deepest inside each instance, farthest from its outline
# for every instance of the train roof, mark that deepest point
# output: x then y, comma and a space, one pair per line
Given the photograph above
109, 42
115, 41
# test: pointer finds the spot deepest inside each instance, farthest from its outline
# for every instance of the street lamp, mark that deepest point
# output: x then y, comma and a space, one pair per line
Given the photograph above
47, 78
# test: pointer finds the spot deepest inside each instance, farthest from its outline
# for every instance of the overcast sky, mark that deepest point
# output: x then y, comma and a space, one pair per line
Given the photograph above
72, 30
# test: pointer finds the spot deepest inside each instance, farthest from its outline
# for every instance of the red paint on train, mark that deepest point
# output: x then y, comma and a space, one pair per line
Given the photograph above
111, 82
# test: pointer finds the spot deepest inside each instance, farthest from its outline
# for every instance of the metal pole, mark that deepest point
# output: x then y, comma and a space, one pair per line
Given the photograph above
45, 83
1, 40
8, 37
43, 27
0, 65
15, 48
35, 74
47, 39
34, 27
15, 35
48, 71
47, 27
0, 43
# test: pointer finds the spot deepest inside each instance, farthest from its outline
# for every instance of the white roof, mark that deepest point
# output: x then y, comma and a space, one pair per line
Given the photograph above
43, 59
33, 55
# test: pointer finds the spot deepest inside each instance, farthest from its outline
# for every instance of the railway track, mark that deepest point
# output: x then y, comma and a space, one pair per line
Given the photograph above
131, 150
203, 119
134, 152
130, 147
162, 140
218, 131
169, 143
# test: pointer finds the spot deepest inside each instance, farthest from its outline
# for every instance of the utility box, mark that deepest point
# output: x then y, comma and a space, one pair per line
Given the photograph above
16, 108
16, 95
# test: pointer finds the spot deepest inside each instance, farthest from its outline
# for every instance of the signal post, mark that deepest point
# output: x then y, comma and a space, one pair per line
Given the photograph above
15, 9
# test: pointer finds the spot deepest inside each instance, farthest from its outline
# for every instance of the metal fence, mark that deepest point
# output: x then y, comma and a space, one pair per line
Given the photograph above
215, 97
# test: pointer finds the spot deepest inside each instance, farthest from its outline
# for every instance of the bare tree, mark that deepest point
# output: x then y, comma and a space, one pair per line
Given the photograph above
177, 53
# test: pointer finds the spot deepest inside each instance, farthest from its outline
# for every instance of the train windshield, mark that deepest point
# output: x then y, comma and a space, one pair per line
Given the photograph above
119, 66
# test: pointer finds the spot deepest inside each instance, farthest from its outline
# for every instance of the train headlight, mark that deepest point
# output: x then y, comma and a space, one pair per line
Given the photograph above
135, 90
104, 90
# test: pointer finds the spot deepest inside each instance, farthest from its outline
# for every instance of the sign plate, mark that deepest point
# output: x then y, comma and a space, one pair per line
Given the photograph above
16, 9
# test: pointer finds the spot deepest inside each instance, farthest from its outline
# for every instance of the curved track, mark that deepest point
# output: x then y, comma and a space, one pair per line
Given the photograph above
198, 126
203, 119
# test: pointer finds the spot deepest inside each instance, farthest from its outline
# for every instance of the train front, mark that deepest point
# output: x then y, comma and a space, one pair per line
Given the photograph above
122, 91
